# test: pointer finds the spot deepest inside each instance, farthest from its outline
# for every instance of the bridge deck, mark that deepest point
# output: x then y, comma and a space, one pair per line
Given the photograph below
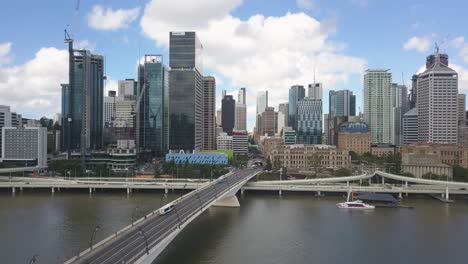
131, 245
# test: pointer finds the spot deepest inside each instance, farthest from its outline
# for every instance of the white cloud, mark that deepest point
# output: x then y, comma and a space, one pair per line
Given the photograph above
305, 4
5, 57
259, 53
101, 18
420, 44
83, 44
462, 77
110, 85
462, 47
33, 88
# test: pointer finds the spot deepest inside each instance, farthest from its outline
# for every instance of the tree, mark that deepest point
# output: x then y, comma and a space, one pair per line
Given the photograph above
460, 173
341, 172
315, 161
407, 174
354, 156
268, 164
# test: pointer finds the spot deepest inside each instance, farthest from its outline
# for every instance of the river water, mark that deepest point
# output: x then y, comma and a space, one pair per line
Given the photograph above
266, 229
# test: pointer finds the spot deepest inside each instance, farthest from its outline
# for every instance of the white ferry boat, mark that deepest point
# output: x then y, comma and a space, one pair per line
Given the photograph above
355, 205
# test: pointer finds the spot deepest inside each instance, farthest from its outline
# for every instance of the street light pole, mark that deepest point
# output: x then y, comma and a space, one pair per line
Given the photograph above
146, 240
92, 237
162, 197
133, 213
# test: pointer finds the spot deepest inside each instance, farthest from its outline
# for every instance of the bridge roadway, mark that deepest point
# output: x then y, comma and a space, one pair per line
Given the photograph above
132, 245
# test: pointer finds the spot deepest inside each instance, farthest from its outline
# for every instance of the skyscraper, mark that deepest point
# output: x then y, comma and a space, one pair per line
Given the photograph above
399, 96
342, 103
83, 102
378, 104
315, 91
153, 107
126, 87
241, 111
209, 106
109, 108
410, 127
186, 92
309, 121
283, 111
241, 96
296, 94
266, 124
262, 101
461, 101
437, 101
228, 108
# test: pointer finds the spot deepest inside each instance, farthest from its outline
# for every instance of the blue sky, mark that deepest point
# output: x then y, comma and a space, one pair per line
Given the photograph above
259, 44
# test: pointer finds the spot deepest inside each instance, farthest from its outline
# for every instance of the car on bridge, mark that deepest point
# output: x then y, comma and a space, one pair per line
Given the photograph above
166, 209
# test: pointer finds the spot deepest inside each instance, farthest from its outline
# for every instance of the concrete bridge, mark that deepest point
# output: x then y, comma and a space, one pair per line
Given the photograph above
149, 236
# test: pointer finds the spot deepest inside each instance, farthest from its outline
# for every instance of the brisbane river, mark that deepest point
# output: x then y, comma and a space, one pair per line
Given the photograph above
294, 228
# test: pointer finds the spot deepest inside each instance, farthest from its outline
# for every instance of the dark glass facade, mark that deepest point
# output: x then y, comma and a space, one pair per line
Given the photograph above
228, 108
185, 92
154, 106
65, 114
296, 94
185, 51
82, 103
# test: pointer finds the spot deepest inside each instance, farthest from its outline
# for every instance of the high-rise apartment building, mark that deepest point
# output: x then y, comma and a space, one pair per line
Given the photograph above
309, 121
315, 91
153, 114
378, 104
186, 92
241, 111
262, 101
437, 101
296, 94
82, 102
228, 108
209, 106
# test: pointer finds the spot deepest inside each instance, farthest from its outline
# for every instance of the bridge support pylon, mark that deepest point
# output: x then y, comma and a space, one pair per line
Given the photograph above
52, 190
13, 190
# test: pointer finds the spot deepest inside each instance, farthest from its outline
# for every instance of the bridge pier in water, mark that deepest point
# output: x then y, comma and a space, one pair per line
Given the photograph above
52, 190
13, 190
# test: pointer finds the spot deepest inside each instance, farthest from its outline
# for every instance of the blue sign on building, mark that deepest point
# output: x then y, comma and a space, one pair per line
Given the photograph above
198, 158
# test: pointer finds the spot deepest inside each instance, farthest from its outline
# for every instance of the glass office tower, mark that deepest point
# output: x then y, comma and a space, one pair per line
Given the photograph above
153, 123
296, 94
185, 92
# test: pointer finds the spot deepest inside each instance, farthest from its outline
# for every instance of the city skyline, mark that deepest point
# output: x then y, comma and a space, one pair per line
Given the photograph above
125, 33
